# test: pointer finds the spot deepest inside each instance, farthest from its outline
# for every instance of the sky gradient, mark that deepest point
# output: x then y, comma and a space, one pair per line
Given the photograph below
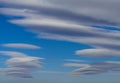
59, 41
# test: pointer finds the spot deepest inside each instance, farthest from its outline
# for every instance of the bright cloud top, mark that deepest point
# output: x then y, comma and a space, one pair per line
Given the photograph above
21, 45
19, 63
53, 21
67, 20
94, 68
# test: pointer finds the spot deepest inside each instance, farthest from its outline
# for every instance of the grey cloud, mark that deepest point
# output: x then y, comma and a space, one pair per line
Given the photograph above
106, 65
94, 68
21, 45
89, 71
74, 60
101, 47
98, 53
54, 20
76, 65
13, 54
67, 10
63, 14
24, 62
68, 21
22, 65
18, 72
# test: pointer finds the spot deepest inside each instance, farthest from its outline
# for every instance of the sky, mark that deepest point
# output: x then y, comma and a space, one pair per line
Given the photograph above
59, 41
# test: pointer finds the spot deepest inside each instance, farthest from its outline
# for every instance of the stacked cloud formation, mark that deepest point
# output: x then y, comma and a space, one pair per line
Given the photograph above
74, 21
20, 64
94, 68
56, 19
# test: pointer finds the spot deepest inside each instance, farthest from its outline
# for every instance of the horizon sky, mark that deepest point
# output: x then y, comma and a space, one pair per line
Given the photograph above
59, 41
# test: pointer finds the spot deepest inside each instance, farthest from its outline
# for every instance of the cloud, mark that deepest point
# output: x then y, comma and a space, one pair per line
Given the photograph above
75, 65
90, 14
98, 53
24, 62
71, 21
13, 54
74, 60
35, 3
21, 45
18, 72
20, 64
94, 68
52, 72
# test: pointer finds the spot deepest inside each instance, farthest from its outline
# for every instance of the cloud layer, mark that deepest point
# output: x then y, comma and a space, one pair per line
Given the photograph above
94, 13
67, 20
20, 64
70, 21
94, 68
21, 45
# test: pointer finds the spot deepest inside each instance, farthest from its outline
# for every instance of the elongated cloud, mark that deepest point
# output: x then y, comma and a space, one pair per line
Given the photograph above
13, 54
67, 20
18, 72
21, 45
71, 21
94, 68
25, 62
91, 14
98, 53
20, 64
74, 60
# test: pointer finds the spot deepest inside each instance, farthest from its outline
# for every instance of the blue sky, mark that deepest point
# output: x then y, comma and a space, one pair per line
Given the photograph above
53, 41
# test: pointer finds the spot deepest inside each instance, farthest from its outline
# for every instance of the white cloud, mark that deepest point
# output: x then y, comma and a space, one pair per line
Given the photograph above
94, 68
74, 60
71, 21
104, 11
52, 72
76, 65
18, 72
13, 54
98, 53
24, 62
101, 47
19, 63
46, 22
35, 3
21, 45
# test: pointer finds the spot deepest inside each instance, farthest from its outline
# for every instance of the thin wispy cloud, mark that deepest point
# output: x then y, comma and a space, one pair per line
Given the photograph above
74, 60
21, 45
